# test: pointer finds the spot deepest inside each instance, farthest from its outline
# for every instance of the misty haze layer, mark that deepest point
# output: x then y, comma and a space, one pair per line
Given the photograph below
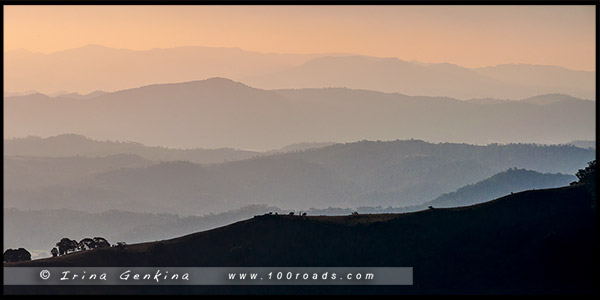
218, 113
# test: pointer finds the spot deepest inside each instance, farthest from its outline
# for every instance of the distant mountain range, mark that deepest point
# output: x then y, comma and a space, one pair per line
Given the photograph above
399, 173
26, 172
533, 242
504, 183
584, 144
393, 75
219, 112
95, 67
67, 145
301, 147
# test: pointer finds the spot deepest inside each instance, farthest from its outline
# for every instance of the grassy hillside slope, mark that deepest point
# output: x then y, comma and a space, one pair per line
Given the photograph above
540, 241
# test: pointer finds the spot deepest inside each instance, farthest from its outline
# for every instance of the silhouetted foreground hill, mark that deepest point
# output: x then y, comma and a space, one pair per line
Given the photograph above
540, 242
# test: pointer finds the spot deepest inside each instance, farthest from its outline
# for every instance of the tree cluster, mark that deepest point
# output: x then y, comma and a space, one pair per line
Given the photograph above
588, 174
15, 255
66, 245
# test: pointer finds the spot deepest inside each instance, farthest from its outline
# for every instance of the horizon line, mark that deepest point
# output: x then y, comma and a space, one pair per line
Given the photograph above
316, 54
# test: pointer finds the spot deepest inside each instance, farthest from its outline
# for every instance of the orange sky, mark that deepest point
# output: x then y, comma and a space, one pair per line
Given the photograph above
471, 36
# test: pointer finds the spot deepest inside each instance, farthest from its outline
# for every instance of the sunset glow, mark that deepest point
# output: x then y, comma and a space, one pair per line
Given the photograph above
470, 36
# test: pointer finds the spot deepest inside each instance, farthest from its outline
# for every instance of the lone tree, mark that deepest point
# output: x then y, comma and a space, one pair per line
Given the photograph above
54, 252
15, 255
66, 245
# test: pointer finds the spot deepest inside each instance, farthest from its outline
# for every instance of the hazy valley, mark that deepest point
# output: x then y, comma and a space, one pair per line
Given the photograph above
74, 185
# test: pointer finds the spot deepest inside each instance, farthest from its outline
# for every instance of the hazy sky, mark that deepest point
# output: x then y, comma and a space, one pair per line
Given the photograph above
471, 36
